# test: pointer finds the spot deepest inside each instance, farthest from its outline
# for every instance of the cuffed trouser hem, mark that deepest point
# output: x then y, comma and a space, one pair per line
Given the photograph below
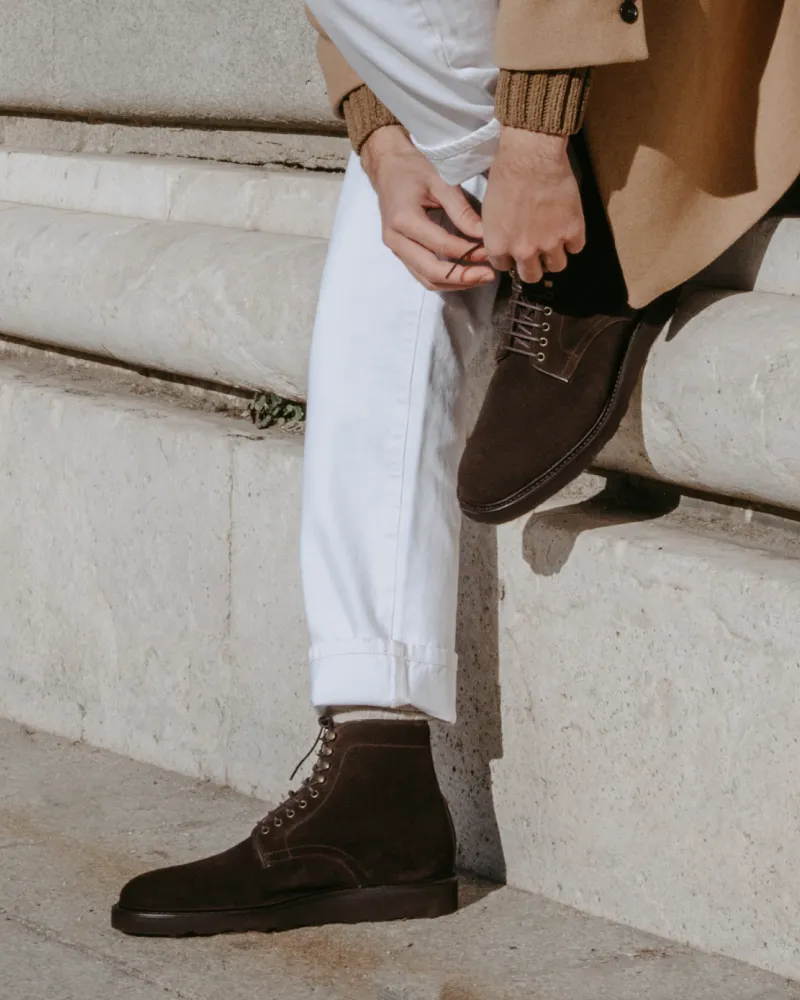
464, 158
384, 674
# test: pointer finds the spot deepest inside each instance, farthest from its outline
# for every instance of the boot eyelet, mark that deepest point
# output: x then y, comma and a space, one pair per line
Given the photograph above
327, 752
302, 805
548, 311
543, 341
331, 736
264, 830
546, 327
321, 779
290, 813
314, 793
278, 822
539, 357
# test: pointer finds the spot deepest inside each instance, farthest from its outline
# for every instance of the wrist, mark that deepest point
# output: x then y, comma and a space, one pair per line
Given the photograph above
389, 140
529, 144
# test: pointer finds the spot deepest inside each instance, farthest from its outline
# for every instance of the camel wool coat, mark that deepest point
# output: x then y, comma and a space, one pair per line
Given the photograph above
693, 121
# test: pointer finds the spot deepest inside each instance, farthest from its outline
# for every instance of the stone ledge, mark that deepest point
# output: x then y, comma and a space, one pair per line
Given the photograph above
173, 190
648, 668
718, 407
209, 302
305, 151
167, 622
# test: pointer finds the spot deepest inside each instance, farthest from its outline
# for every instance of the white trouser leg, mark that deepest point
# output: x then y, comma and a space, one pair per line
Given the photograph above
430, 62
385, 430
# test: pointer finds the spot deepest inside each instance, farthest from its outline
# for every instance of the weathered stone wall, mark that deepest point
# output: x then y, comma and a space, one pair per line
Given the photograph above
226, 61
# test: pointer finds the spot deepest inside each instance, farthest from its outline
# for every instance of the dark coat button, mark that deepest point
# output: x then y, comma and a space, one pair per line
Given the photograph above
629, 12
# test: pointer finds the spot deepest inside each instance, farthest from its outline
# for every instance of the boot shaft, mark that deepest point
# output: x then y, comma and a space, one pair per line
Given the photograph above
374, 802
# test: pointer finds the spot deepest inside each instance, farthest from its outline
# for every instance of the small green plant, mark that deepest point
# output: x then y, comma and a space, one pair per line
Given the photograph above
267, 409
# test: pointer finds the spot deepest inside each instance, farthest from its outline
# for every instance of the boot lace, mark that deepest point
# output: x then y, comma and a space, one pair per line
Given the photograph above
308, 790
528, 323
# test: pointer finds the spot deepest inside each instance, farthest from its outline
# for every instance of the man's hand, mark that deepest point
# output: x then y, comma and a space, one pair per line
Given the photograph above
408, 186
532, 213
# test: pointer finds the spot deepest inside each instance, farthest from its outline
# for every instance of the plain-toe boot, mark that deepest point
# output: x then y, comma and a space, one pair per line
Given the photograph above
368, 836
562, 383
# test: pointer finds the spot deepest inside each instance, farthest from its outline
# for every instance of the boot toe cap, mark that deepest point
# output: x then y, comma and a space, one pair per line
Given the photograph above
162, 890
225, 880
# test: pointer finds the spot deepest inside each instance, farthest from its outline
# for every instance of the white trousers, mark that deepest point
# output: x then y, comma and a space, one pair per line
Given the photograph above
386, 419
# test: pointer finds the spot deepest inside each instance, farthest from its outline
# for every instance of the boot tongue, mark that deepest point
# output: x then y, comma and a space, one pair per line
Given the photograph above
307, 790
325, 726
568, 297
583, 289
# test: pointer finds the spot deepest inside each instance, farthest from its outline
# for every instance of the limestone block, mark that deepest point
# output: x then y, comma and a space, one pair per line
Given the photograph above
125, 552
650, 709
165, 189
227, 61
718, 408
204, 301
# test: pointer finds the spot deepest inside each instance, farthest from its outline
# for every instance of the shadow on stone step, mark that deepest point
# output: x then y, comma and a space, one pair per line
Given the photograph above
550, 535
465, 751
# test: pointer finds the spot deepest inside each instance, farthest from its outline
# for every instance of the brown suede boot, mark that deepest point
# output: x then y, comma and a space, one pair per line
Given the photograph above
368, 836
562, 385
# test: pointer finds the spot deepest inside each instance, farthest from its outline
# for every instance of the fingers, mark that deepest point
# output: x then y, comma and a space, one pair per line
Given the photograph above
501, 262
530, 270
532, 265
458, 208
439, 275
419, 227
554, 260
576, 243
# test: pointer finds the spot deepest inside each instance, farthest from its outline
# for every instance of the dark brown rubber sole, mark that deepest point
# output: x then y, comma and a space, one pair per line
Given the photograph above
581, 456
415, 901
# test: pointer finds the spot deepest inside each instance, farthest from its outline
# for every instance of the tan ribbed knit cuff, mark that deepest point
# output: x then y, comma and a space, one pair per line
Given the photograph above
364, 113
551, 101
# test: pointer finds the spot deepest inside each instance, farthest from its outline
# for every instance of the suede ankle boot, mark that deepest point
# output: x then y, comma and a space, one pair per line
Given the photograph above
562, 385
368, 836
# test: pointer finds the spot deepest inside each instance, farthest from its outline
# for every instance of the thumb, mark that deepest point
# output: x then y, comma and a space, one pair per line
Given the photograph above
458, 209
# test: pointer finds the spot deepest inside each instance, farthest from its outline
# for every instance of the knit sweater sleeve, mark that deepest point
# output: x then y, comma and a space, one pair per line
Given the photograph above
550, 101
364, 114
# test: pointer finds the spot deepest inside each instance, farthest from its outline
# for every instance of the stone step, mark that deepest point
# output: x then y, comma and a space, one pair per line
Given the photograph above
76, 823
717, 408
169, 189
204, 301
213, 271
628, 699
154, 604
